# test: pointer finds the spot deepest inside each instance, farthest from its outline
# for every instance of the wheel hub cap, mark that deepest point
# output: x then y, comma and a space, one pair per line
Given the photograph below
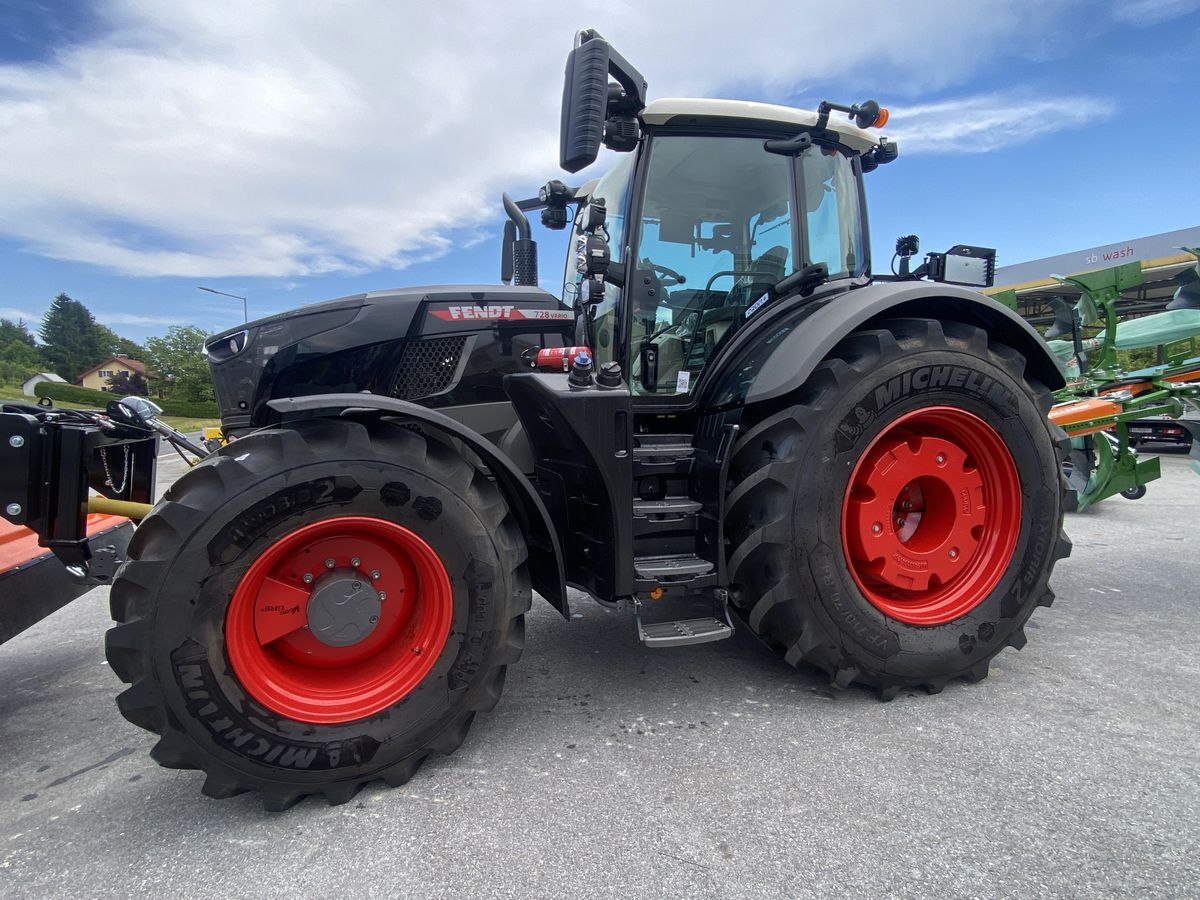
344, 609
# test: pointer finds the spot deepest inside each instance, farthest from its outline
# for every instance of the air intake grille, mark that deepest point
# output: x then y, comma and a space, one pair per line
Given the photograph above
428, 367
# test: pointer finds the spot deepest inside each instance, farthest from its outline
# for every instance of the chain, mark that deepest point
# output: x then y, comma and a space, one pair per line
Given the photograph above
108, 478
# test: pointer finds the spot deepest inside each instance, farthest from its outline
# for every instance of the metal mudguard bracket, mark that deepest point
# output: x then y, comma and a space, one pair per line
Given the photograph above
48, 464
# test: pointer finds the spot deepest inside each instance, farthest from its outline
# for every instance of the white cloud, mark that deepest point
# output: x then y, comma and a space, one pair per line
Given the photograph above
140, 321
216, 137
1151, 12
14, 314
988, 122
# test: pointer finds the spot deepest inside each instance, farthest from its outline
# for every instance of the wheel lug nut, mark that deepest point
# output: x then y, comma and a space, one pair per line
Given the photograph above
382, 596
329, 563
940, 459
876, 528
355, 563
954, 553
307, 579
374, 574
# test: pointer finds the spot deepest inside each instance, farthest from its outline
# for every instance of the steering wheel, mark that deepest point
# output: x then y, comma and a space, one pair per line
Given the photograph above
666, 272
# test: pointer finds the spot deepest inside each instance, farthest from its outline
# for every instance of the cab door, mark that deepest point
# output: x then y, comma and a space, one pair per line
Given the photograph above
715, 231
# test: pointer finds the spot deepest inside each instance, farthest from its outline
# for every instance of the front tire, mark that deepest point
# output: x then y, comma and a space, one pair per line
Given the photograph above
317, 607
896, 523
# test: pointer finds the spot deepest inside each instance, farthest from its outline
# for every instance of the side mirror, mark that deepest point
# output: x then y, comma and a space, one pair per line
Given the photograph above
584, 104
589, 107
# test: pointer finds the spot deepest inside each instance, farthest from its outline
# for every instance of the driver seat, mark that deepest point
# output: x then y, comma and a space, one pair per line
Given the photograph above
765, 272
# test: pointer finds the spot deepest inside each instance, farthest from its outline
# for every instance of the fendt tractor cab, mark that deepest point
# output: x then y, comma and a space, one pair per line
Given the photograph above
725, 420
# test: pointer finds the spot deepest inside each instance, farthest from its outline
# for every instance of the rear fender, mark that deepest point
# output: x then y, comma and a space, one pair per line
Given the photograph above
793, 343
545, 553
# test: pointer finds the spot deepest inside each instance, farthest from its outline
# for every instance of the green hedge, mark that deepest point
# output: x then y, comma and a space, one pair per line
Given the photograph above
69, 393
190, 409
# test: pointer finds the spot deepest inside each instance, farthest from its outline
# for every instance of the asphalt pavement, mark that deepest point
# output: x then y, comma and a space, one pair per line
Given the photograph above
717, 771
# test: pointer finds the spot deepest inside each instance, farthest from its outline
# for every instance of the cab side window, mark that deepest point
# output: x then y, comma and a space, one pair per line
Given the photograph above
833, 212
613, 190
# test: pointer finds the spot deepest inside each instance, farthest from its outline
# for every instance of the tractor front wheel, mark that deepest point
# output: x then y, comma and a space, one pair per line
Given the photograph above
316, 607
897, 521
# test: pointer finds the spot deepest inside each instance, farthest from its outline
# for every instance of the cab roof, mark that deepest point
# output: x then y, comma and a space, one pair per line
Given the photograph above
664, 111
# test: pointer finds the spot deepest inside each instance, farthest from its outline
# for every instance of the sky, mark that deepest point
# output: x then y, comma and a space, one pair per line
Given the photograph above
296, 151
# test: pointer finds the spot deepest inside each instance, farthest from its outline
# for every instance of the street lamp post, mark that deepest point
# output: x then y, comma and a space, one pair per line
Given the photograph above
245, 309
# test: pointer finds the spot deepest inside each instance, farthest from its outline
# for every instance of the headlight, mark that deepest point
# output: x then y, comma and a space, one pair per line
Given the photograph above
227, 347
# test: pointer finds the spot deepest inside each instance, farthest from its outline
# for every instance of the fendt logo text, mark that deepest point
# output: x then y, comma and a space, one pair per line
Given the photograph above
493, 313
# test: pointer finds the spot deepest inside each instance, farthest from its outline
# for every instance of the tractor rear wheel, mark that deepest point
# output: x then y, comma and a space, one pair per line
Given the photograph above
896, 523
316, 607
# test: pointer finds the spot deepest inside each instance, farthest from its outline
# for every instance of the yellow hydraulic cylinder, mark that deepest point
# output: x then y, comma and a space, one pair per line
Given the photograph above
125, 508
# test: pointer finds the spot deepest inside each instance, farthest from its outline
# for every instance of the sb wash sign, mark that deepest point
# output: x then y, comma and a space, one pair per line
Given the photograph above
1139, 249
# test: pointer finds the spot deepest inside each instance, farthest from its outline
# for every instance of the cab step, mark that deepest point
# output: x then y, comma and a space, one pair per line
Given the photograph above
663, 449
671, 568
673, 506
684, 632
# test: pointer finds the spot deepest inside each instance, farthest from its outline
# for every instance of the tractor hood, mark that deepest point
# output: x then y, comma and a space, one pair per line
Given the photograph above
358, 343
396, 303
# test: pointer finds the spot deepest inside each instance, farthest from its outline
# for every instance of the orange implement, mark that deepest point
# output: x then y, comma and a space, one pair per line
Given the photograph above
1076, 411
1184, 377
19, 545
34, 583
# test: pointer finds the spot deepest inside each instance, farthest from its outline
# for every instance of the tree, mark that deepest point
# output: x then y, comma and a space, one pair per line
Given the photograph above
18, 361
178, 363
15, 331
127, 384
113, 344
19, 355
70, 338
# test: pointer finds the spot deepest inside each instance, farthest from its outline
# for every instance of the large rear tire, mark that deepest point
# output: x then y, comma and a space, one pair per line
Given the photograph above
317, 607
896, 523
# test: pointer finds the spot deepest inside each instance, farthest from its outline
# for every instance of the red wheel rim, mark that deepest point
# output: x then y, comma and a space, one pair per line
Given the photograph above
279, 647
931, 515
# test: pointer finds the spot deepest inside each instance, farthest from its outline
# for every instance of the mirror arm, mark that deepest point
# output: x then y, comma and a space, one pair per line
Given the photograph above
616, 274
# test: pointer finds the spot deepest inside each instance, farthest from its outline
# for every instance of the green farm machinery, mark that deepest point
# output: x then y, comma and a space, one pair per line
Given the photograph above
1106, 407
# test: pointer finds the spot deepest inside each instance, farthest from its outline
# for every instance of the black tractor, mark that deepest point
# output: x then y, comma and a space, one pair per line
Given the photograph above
725, 421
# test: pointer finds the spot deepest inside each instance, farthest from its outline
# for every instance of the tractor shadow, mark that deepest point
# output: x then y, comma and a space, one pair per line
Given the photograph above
584, 687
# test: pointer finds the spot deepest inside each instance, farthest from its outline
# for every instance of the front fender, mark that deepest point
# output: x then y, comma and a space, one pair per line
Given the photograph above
545, 553
784, 351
